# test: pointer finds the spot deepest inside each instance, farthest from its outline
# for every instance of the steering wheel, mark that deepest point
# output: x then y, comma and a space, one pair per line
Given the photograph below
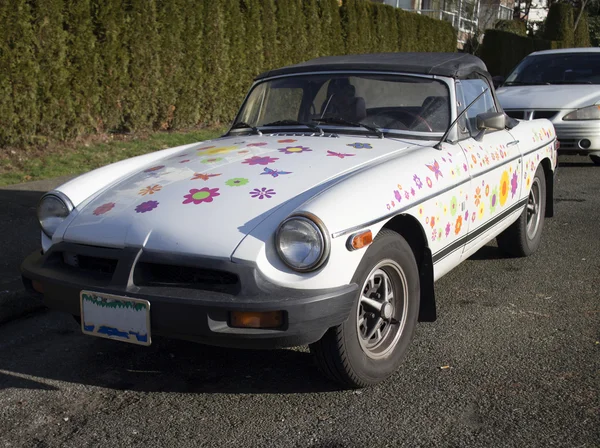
392, 119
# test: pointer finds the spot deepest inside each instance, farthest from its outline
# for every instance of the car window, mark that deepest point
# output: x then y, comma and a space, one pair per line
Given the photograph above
471, 89
557, 68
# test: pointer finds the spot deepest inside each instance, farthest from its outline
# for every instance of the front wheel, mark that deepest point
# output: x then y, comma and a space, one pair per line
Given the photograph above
370, 345
523, 237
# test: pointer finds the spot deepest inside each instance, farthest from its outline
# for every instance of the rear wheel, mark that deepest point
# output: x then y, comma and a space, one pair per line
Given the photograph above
595, 159
370, 345
523, 237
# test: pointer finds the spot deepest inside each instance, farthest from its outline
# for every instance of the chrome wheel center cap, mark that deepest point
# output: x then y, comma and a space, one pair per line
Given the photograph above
386, 311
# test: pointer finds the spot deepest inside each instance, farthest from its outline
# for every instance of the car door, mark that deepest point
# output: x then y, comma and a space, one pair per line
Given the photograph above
494, 163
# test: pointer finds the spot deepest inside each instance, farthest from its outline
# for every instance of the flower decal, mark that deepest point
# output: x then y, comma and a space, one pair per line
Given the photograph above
397, 195
477, 195
359, 145
237, 182
146, 206
429, 182
184, 161
256, 160
487, 190
257, 144
493, 200
286, 140
432, 222
481, 211
205, 194
220, 150
262, 193
504, 188
458, 225
204, 148
104, 208
453, 206
154, 168
514, 183
294, 149
151, 189
448, 229
204, 176
212, 160
418, 182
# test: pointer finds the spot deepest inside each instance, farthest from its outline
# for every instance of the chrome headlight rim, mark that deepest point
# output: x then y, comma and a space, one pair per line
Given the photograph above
325, 239
62, 198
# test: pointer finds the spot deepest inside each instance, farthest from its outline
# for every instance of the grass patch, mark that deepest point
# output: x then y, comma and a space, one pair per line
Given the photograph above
36, 163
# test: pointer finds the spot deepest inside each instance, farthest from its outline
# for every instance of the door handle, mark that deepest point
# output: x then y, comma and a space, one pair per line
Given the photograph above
514, 142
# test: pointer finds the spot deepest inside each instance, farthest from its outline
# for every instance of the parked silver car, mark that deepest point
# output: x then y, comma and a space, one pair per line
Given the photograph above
564, 87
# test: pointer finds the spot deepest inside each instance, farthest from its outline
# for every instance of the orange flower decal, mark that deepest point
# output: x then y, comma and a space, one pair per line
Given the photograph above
477, 195
150, 190
203, 176
458, 225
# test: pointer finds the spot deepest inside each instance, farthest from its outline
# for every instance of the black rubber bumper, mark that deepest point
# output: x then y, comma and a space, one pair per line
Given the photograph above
194, 314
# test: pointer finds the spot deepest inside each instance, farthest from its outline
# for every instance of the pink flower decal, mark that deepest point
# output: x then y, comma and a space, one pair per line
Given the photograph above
412, 191
514, 183
256, 160
257, 144
146, 206
205, 147
398, 195
104, 208
448, 228
184, 161
205, 194
418, 182
407, 194
154, 168
262, 193
294, 149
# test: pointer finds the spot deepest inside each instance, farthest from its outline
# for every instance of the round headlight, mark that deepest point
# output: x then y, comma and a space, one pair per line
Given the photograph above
302, 244
52, 211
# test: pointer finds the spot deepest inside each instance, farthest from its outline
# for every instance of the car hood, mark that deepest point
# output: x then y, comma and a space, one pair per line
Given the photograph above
548, 96
207, 198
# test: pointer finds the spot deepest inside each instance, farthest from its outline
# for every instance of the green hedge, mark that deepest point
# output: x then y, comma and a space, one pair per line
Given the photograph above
502, 50
512, 26
70, 68
559, 24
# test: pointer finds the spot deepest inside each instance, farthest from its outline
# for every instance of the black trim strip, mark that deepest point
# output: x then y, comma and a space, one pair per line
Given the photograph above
476, 232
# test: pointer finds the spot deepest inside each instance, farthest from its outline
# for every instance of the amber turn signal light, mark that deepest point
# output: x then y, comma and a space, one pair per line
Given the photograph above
252, 319
360, 240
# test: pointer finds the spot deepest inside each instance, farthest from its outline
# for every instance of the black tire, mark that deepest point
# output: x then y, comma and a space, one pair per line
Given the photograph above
517, 240
595, 159
343, 353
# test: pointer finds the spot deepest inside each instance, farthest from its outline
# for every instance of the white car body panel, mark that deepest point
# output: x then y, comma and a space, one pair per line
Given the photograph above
553, 97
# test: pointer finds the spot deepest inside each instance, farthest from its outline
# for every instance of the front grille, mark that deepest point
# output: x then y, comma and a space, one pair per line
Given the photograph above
154, 274
523, 114
568, 144
87, 263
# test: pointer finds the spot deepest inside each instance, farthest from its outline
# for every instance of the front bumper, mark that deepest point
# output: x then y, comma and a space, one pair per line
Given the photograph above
572, 136
194, 314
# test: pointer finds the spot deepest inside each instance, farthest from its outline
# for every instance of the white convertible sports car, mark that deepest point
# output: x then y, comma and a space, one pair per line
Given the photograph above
564, 87
345, 187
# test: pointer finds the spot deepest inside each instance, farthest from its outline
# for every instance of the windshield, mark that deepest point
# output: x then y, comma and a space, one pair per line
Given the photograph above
557, 68
367, 102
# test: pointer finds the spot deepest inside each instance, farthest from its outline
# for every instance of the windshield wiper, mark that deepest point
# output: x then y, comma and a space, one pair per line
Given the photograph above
296, 123
524, 83
337, 120
241, 124
570, 82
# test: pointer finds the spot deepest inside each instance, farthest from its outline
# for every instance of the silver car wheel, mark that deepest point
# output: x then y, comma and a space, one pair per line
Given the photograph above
533, 209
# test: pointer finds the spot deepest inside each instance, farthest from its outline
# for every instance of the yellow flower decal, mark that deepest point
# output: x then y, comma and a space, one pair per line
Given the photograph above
219, 150
481, 210
504, 188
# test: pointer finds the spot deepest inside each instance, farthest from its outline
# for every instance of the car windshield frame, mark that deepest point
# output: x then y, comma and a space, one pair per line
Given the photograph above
557, 61
355, 127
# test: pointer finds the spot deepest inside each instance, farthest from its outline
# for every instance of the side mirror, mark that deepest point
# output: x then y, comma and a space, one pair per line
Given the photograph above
495, 121
498, 81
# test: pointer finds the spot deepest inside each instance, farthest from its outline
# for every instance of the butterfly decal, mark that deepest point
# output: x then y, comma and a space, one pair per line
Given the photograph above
275, 173
435, 167
339, 154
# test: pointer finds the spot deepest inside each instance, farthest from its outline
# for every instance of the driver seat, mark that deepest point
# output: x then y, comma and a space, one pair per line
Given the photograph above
435, 111
342, 101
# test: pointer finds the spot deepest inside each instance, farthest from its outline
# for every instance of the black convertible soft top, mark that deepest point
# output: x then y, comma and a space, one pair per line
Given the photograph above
455, 65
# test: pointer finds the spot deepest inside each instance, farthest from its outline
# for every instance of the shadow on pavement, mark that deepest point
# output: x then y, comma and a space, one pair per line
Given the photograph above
62, 353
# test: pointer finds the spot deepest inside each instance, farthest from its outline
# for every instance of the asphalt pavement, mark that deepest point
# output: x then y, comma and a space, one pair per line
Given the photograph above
513, 360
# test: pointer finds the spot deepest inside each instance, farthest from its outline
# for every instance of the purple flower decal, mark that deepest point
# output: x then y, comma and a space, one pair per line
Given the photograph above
412, 191
448, 228
262, 193
465, 167
514, 183
205, 194
407, 195
256, 160
433, 235
146, 206
294, 149
397, 195
466, 215
257, 144
418, 182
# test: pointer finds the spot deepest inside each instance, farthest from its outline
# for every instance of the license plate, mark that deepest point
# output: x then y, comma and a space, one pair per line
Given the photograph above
114, 317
